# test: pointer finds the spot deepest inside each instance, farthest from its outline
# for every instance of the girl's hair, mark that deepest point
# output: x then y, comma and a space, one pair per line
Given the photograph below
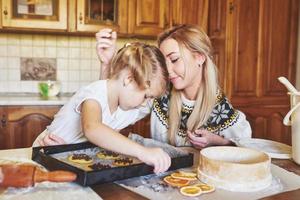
145, 63
196, 41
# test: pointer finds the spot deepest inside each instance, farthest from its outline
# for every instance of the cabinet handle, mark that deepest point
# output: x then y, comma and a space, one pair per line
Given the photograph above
80, 18
5, 11
231, 7
3, 121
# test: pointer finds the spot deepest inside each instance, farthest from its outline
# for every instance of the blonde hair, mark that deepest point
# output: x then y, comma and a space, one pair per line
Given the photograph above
145, 63
196, 41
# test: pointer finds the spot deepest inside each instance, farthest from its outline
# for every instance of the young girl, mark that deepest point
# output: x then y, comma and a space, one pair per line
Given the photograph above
98, 111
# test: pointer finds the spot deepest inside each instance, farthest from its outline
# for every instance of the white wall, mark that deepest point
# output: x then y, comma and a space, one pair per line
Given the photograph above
298, 58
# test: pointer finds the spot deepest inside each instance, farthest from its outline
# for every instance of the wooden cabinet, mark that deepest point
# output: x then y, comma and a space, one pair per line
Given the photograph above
257, 43
92, 15
20, 125
147, 17
49, 15
128, 17
141, 127
151, 17
189, 12
216, 30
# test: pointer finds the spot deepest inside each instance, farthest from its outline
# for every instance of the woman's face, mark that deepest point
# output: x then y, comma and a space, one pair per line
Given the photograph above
181, 76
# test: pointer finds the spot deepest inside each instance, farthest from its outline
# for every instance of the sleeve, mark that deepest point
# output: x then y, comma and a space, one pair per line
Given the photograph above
240, 129
227, 121
83, 96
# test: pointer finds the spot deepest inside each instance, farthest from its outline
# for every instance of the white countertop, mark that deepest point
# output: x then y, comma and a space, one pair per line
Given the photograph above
9, 99
45, 190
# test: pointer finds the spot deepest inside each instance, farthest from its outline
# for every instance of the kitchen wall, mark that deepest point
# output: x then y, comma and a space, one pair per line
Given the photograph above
298, 58
76, 60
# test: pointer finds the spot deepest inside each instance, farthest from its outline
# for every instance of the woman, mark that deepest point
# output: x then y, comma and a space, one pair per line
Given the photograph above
194, 111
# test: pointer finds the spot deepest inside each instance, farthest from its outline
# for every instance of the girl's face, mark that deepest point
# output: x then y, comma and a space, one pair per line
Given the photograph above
178, 75
131, 96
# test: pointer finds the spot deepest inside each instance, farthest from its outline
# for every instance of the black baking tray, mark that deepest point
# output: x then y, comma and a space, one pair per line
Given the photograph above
86, 178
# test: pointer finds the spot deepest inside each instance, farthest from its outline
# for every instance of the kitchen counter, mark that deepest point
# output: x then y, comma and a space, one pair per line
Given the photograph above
9, 99
111, 191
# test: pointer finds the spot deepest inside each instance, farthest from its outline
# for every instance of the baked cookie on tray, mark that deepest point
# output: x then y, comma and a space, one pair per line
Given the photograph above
99, 166
123, 162
80, 158
109, 155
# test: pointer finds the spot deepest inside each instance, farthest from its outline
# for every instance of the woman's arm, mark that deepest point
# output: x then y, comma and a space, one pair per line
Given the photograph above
106, 48
105, 137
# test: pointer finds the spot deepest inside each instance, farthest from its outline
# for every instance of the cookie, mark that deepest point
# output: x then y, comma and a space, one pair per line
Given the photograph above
99, 166
80, 158
123, 162
109, 155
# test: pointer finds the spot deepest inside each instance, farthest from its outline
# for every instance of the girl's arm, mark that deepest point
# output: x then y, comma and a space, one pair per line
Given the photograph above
105, 137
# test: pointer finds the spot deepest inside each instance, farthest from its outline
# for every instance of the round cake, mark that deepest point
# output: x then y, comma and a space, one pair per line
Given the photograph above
234, 168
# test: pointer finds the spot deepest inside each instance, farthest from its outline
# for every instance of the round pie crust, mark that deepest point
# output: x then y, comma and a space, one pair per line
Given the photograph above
235, 169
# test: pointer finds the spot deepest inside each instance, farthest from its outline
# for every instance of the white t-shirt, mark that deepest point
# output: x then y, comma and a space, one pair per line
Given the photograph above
67, 122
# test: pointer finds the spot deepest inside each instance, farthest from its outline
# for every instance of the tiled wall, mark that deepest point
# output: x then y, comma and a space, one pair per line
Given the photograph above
77, 62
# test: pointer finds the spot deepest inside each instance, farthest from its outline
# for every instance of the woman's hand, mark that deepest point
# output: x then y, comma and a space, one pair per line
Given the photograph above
51, 139
157, 158
202, 138
106, 45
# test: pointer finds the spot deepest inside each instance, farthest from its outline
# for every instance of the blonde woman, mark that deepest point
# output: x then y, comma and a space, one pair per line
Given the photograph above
194, 111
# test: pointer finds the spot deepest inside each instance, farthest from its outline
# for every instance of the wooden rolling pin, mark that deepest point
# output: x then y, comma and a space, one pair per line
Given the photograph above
28, 175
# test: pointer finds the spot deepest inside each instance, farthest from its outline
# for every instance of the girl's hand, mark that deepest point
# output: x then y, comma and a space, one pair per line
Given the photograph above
106, 45
203, 138
157, 158
51, 139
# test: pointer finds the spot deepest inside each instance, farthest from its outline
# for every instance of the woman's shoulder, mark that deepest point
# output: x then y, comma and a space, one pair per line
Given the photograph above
223, 114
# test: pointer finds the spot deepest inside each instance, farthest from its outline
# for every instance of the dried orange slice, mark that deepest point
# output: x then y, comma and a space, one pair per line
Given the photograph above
175, 182
190, 191
185, 175
205, 188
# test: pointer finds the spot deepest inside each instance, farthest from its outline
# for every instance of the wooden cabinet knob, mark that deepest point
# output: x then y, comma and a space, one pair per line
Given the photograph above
80, 18
5, 12
3, 121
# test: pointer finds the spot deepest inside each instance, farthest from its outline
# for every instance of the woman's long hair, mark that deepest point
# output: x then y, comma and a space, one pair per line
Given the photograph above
196, 41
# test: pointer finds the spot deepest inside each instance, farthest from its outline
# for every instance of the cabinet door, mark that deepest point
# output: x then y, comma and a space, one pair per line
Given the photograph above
189, 12
141, 127
47, 14
25, 123
217, 33
263, 46
93, 15
147, 17
3, 125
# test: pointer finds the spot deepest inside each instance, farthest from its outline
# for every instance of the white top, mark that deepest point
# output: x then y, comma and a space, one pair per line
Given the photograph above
67, 122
